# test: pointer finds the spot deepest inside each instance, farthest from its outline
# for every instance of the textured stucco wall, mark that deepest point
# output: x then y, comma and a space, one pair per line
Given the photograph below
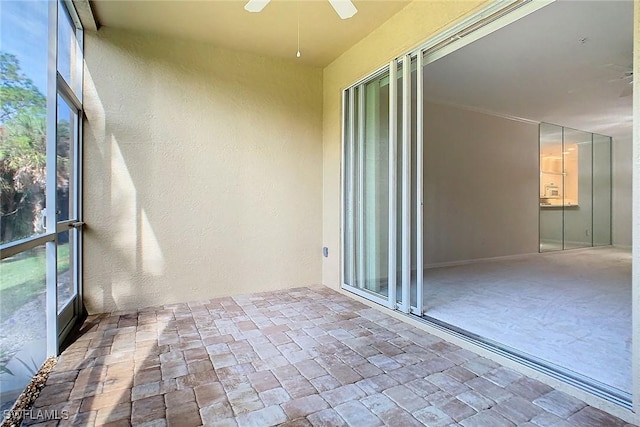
408, 28
203, 172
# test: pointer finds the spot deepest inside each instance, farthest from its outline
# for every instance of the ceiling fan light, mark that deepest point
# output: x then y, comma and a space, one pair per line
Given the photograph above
344, 8
256, 5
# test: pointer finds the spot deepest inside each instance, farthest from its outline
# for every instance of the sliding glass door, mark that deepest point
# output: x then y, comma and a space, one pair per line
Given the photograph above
380, 188
367, 185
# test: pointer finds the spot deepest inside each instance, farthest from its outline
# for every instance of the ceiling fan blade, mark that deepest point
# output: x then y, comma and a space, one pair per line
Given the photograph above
256, 5
344, 8
627, 91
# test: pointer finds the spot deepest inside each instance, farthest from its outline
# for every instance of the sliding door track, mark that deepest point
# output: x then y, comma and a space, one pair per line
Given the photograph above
575, 379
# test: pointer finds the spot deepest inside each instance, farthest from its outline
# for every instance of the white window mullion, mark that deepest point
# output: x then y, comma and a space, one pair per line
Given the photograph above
406, 184
351, 193
419, 186
393, 150
359, 136
345, 203
50, 197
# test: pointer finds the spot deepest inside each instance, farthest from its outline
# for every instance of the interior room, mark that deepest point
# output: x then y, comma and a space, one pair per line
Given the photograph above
263, 212
522, 195
490, 145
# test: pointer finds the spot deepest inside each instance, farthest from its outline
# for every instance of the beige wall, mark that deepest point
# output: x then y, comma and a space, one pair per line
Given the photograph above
408, 28
203, 172
481, 183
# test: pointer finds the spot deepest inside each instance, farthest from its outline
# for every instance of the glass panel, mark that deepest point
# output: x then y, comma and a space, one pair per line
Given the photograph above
551, 188
23, 82
66, 282
370, 167
414, 199
23, 341
577, 189
359, 146
399, 174
347, 200
69, 53
65, 143
601, 190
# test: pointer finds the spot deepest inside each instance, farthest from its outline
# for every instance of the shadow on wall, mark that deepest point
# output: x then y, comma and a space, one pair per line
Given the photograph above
203, 172
122, 365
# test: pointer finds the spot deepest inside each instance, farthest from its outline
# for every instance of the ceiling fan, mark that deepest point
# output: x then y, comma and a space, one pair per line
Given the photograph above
628, 89
344, 8
627, 77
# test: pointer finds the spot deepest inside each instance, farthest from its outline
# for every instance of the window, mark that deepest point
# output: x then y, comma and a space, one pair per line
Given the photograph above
39, 182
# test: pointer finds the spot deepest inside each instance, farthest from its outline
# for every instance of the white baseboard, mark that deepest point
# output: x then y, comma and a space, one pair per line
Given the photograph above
478, 260
516, 256
625, 247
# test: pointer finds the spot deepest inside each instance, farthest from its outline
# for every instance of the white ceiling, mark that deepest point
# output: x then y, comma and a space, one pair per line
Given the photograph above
272, 32
538, 68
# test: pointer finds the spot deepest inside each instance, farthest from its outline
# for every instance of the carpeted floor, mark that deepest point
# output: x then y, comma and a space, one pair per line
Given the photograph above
570, 308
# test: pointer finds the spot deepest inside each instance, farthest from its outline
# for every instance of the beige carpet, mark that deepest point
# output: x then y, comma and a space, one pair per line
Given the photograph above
569, 308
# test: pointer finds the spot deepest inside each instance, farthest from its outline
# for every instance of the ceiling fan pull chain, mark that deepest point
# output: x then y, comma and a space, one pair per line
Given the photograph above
298, 52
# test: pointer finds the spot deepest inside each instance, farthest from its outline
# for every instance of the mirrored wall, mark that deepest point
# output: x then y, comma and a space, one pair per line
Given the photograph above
575, 188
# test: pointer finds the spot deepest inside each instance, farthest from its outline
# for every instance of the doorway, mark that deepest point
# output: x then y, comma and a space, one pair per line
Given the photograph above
474, 188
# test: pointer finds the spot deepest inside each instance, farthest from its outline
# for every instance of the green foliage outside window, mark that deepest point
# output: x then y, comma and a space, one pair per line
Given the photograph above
23, 153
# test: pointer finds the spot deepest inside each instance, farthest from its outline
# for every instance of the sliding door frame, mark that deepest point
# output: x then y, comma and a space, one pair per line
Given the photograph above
393, 182
405, 306
418, 309
495, 16
469, 30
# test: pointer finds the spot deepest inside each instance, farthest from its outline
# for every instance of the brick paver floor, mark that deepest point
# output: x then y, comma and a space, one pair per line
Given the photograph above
305, 356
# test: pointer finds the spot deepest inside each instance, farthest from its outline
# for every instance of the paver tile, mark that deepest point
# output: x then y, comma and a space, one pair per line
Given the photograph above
147, 409
269, 416
274, 396
433, 417
325, 382
263, 380
186, 415
458, 410
356, 414
216, 411
342, 394
399, 417
326, 418
529, 388
379, 403
559, 403
592, 417
304, 406
487, 418
518, 410
476, 400
310, 369
405, 398
297, 357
